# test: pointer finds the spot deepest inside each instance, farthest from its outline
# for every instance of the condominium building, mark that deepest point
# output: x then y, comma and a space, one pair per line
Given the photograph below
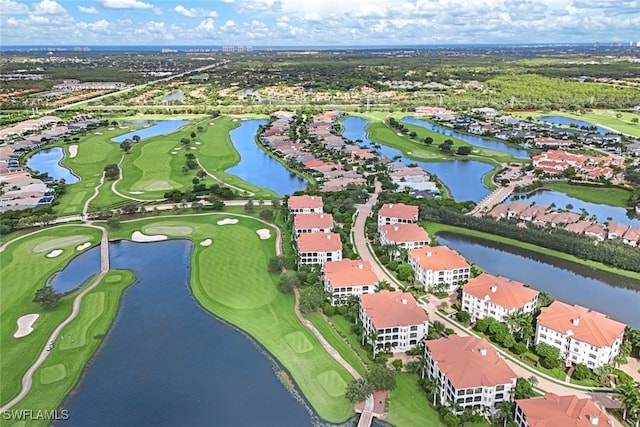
305, 204
318, 248
393, 213
406, 236
439, 265
312, 223
345, 278
554, 410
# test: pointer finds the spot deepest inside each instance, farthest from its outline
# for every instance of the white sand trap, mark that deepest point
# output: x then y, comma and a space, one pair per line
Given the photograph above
227, 221
211, 124
158, 185
25, 325
54, 253
399, 134
174, 152
73, 151
139, 237
136, 192
198, 142
112, 128
207, 242
193, 148
83, 246
98, 133
124, 127
177, 148
264, 233
408, 152
234, 120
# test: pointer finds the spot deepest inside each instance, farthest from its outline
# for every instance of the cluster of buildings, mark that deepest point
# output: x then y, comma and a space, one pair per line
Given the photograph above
72, 85
544, 216
555, 162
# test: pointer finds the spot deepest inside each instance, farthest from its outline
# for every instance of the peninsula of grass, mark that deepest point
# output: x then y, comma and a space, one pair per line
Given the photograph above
434, 228
25, 269
76, 344
231, 280
408, 404
604, 118
612, 196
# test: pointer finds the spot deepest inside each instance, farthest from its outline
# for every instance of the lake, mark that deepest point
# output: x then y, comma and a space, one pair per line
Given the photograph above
77, 272
167, 362
616, 296
471, 139
602, 212
565, 121
160, 127
256, 166
463, 178
174, 96
48, 161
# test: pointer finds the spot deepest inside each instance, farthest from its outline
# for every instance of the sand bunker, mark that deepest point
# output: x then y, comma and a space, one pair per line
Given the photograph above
25, 325
193, 148
264, 233
73, 151
211, 124
136, 192
198, 142
112, 128
207, 242
98, 133
177, 148
60, 242
54, 253
174, 152
234, 120
139, 237
158, 185
227, 221
83, 246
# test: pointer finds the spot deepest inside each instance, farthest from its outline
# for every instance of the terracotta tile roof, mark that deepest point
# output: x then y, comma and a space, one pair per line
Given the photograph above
499, 211
349, 273
305, 201
617, 229
399, 210
438, 258
319, 242
405, 233
313, 220
578, 227
570, 411
566, 218
389, 309
518, 207
504, 292
469, 362
587, 325
632, 234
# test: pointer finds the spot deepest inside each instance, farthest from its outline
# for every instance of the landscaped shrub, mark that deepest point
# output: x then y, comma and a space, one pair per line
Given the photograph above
328, 310
342, 310
581, 372
519, 348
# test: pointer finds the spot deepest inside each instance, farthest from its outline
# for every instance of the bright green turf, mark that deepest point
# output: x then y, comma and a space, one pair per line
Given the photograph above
52, 373
409, 406
93, 303
332, 383
46, 244
170, 230
606, 118
604, 196
298, 342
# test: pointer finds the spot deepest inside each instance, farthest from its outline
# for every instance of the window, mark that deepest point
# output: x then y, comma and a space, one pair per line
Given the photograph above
499, 387
499, 396
413, 328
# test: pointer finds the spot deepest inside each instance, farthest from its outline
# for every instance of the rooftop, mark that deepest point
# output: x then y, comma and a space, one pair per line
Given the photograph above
319, 242
304, 201
399, 210
349, 273
405, 233
313, 220
390, 309
500, 290
553, 410
438, 258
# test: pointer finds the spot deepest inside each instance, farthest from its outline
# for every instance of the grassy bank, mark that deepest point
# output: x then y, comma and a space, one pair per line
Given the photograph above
409, 406
606, 118
230, 279
612, 196
434, 228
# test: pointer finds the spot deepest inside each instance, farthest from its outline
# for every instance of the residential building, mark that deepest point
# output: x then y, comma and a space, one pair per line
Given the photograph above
582, 335
393, 213
345, 278
318, 248
554, 410
305, 204
312, 223
496, 297
469, 373
406, 236
394, 319
438, 265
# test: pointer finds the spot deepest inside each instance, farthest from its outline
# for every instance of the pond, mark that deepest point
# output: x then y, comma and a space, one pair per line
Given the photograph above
561, 200
463, 178
471, 139
616, 296
173, 96
48, 161
167, 362
565, 121
78, 272
160, 127
256, 166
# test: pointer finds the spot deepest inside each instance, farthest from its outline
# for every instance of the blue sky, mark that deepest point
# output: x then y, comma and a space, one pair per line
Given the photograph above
315, 22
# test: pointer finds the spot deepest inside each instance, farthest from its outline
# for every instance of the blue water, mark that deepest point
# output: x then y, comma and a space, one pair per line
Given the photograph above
602, 212
174, 96
471, 139
49, 161
565, 121
162, 127
167, 362
78, 272
463, 178
571, 283
256, 166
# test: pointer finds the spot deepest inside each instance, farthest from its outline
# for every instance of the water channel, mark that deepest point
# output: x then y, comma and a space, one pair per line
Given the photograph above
160, 127
565, 121
479, 141
616, 296
463, 178
167, 362
49, 161
256, 166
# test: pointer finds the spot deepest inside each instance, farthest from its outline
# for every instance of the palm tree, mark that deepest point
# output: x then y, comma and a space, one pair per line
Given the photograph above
629, 396
506, 409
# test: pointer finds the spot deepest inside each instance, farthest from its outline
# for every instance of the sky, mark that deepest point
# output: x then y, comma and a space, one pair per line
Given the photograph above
272, 23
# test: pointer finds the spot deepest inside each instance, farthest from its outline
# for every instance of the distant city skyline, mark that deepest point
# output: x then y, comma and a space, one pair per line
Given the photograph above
315, 22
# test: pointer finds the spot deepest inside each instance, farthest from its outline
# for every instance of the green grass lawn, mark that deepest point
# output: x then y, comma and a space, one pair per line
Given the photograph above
606, 118
408, 404
433, 228
612, 196
75, 346
230, 279
26, 268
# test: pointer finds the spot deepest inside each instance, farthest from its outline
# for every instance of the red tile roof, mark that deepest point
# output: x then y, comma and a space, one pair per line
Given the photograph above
469, 362
438, 258
319, 242
390, 309
313, 220
587, 325
349, 273
304, 201
399, 210
402, 233
504, 292
570, 411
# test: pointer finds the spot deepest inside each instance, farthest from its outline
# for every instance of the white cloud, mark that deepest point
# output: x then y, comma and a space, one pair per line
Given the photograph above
10, 7
194, 12
249, 6
206, 26
229, 25
85, 9
126, 4
48, 7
